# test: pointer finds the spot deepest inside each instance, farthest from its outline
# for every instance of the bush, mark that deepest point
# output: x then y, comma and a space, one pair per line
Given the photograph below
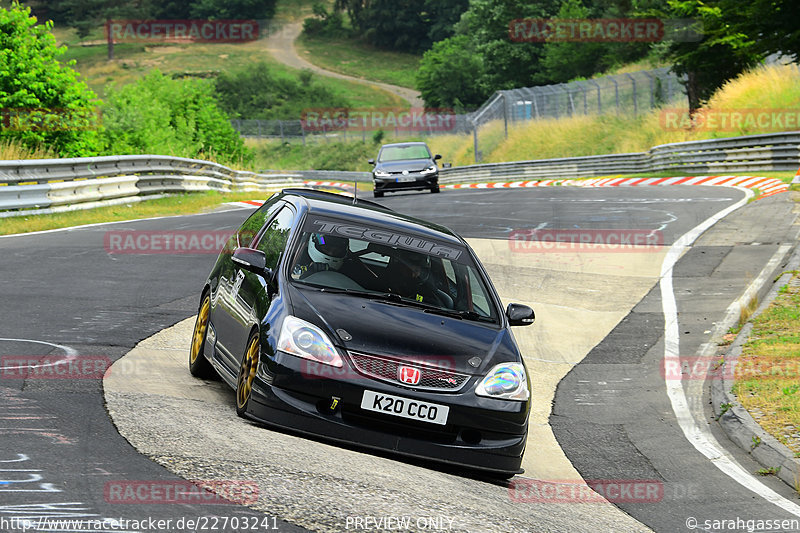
43, 101
257, 93
159, 115
324, 24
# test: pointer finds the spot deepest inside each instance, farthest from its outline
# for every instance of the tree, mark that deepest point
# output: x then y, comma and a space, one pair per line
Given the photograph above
507, 63
450, 75
772, 22
43, 100
408, 26
233, 9
721, 54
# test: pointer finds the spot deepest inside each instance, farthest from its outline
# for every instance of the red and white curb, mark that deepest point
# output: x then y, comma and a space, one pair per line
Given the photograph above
331, 184
767, 186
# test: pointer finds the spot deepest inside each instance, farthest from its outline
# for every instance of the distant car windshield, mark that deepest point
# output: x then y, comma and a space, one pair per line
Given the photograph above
399, 153
407, 268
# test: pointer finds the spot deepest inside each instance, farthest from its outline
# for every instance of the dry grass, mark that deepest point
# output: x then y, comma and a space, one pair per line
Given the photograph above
775, 87
172, 205
12, 149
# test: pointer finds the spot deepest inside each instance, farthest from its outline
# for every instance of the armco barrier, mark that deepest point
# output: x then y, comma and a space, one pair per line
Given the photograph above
57, 183
775, 151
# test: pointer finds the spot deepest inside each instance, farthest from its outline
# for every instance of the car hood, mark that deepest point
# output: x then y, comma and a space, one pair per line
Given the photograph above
384, 328
412, 165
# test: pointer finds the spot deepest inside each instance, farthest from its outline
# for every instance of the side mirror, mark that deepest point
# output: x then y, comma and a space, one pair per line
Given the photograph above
520, 315
437, 157
371, 161
250, 259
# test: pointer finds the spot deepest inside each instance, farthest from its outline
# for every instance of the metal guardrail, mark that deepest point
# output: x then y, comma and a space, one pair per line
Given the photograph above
755, 153
47, 185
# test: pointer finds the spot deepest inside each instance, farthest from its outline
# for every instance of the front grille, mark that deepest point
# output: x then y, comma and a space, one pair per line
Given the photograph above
383, 369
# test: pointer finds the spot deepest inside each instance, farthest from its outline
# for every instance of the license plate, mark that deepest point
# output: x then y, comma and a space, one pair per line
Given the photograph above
405, 407
406, 179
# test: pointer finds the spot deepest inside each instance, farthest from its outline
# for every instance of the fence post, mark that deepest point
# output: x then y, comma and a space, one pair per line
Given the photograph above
475, 141
280, 123
505, 114
652, 89
599, 98
303, 132
259, 127
635, 103
616, 92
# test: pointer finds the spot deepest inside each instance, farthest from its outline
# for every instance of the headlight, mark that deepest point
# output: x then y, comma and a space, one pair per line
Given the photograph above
305, 340
381, 174
430, 170
505, 381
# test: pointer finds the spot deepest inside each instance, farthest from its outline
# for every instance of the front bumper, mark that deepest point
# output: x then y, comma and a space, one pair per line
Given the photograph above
396, 183
481, 433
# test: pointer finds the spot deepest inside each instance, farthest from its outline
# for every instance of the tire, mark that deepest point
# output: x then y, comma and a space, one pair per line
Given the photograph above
199, 366
435, 188
247, 373
377, 194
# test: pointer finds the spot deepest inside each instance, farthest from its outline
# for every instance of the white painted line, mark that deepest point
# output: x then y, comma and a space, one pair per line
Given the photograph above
701, 438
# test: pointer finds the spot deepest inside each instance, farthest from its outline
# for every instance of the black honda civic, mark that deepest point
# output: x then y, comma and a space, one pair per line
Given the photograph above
342, 319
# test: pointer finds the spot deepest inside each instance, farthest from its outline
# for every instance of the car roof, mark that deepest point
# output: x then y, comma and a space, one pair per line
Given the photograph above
365, 211
410, 143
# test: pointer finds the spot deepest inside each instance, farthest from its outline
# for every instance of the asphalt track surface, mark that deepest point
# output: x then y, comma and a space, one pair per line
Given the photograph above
64, 294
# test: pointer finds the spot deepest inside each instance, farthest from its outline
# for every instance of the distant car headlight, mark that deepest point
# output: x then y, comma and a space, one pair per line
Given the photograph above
381, 174
305, 340
430, 170
505, 381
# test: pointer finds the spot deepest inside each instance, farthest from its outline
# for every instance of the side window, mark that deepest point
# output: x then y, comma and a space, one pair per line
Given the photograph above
255, 222
273, 241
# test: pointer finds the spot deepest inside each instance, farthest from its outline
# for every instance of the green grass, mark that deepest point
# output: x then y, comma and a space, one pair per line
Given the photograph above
768, 369
132, 61
354, 58
178, 204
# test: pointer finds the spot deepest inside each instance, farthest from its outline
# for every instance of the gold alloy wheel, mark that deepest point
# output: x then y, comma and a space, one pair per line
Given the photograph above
247, 372
200, 327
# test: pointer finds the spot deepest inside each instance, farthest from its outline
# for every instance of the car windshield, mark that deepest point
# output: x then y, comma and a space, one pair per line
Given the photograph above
398, 267
399, 153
